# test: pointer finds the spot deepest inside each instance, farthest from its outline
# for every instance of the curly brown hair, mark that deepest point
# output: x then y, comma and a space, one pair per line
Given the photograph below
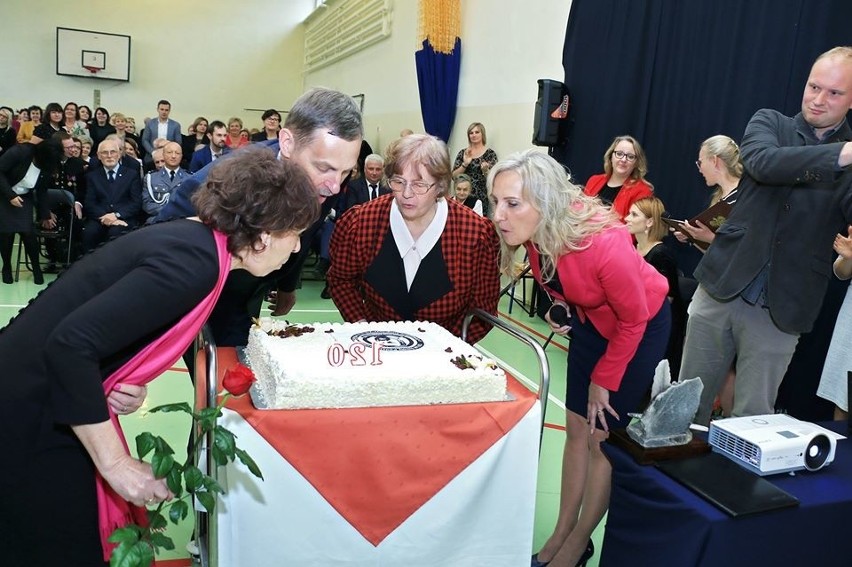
253, 192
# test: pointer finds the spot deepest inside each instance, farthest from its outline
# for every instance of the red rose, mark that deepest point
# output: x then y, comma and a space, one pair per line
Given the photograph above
238, 380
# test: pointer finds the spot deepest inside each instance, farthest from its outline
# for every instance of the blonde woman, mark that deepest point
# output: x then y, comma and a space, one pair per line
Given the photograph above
476, 160
619, 318
720, 163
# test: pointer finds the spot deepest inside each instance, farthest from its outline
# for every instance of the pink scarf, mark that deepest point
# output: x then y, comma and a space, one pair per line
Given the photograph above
113, 511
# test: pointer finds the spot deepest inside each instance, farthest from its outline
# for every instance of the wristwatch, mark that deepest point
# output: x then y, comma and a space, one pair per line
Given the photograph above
117, 215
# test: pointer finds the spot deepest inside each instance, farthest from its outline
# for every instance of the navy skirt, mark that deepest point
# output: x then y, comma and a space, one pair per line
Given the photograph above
587, 346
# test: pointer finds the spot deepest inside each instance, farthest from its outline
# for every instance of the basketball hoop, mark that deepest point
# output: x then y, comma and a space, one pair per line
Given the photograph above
92, 70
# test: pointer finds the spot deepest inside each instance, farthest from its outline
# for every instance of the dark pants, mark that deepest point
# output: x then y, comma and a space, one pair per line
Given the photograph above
96, 234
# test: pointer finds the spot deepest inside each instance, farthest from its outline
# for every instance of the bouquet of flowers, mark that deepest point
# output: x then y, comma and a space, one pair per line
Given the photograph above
137, 545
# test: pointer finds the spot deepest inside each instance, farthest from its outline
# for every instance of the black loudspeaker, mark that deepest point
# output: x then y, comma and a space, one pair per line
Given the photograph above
548, 131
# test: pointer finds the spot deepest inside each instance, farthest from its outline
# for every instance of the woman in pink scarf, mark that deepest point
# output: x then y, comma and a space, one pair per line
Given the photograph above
81, 352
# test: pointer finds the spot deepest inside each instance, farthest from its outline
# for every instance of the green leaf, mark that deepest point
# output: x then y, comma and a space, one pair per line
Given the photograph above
225, 441
144, 444
193, 477
249, 463
211, 485
163, 446
132, 555
162, 464
173, 481
207, 500
167, 408
219, 456
129, 534
162, 541
156, 521
178, 511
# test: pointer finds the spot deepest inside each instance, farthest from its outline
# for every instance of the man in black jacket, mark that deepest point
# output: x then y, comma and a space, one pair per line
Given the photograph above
763, 279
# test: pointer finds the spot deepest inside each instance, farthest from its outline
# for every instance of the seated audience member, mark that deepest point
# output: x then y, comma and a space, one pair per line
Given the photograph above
359, 190
720, 163
235, 137
22, 116
120, 123
148, 165
833, 384
159, 160
619, 322
131, 148
7, 132
363, 189
70, 177
71, 122
215, 148
415, 255
86, 150
159, 184
195, 138
85, 114
461, 193
25, 131
130, 162
26, 173
271, 125
644, 221
100, 126
113, 197
142, 298
623, 181
51, 123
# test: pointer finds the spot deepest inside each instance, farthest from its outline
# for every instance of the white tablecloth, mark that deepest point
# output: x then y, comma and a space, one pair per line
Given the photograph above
484, 516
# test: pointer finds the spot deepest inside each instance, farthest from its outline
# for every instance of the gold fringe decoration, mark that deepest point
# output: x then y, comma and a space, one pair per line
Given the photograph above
439, 21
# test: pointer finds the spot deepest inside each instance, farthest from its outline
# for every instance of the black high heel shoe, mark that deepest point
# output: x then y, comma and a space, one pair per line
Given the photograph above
7, 276
587, 554
590, 551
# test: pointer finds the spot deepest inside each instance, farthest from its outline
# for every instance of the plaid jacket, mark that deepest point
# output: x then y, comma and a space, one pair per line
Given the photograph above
470, 248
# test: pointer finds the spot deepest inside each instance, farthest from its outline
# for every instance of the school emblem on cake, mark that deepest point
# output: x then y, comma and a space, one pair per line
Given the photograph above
390, 340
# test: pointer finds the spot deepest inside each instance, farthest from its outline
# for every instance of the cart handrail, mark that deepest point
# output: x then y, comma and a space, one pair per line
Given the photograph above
543, 363
206, 525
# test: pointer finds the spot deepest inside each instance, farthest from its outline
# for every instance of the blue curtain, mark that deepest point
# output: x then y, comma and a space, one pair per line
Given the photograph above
438, 82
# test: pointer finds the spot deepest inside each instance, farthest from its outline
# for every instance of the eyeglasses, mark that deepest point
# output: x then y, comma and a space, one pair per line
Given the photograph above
698, 163
274, 119
621, 155
398, 185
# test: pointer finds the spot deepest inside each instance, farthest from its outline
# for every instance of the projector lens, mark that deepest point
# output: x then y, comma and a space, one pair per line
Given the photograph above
817, 452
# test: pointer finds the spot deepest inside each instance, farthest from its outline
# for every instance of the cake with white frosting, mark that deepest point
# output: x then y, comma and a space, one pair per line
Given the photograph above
340, 365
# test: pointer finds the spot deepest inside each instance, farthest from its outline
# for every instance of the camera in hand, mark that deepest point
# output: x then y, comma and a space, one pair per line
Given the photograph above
559, 315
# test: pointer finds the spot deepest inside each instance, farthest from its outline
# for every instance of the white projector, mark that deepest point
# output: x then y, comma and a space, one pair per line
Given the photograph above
772, 444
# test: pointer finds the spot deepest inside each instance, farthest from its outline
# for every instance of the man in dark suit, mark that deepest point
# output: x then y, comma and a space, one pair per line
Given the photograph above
365, 188
161, 127
322, 134
113, 197
216, 133
763, 279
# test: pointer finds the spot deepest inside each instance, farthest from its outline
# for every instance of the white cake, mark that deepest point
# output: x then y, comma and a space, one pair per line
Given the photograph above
317, 366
